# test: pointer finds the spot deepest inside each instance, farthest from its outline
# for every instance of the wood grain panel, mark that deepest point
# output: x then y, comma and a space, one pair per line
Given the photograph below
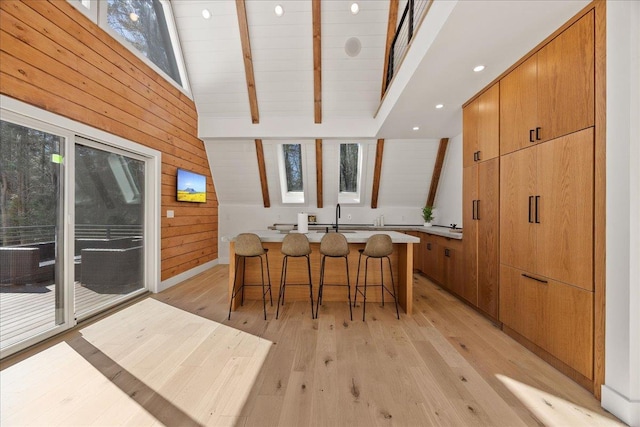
262, 170
565, 233
489, 123
245, 40
470, 238
517, 195
599, 263
566, 81
469, 133
437, 170
319, 186
392, 24
518, 106
376, 174
488, 236
54, 58
316, 11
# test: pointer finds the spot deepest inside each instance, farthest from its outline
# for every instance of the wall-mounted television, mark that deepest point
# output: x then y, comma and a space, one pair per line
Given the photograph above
191, 187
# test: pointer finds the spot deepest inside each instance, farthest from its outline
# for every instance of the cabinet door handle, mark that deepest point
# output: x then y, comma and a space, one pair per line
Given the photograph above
530, 210
474, 156
534, 278
478, 209
478, 157
428, 246
531, 131
538, 133
446, 253
537, 210
473, 209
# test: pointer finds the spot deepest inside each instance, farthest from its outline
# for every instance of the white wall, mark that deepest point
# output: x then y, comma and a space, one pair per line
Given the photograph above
448, 201
621, 391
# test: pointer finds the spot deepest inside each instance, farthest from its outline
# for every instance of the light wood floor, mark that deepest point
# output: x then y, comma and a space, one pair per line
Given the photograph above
173, 359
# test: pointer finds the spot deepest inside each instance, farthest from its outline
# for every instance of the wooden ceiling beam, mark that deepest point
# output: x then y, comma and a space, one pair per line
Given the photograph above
248, 60
317, 61
391, 32
263, 174
437, 170
319, 172
376, 174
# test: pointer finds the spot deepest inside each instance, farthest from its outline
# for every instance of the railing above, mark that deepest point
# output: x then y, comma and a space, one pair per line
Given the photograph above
412, 16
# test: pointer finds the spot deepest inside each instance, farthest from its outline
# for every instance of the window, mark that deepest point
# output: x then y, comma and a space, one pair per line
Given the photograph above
143, 24
291, 174
350, 173
146, 27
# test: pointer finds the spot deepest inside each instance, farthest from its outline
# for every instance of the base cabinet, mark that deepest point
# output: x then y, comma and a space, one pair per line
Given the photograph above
555, 316
443, 261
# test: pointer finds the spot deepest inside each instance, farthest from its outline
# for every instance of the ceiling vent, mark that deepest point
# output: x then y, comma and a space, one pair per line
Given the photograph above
352, 46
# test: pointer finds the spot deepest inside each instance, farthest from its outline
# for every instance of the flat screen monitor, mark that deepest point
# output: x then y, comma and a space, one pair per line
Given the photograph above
192, 187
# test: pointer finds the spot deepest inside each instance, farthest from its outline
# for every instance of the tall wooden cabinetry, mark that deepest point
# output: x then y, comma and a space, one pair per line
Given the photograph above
547, 168
552, 93
530, 183
480, 202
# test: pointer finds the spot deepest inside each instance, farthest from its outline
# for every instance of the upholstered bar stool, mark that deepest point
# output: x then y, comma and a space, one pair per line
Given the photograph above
333, 245
248, 245
294, 245
378, 246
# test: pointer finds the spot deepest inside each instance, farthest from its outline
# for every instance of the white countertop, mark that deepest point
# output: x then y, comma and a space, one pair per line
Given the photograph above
353, 236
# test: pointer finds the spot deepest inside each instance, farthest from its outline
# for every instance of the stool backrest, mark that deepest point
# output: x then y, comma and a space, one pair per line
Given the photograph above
295, 244
248, 244
334, 244
378, 245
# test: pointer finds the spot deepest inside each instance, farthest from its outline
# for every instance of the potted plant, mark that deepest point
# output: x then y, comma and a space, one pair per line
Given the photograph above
427, 214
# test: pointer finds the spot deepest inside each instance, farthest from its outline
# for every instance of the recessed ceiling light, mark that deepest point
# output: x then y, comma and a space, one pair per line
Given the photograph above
279, 10
478, 68
355, 8
439, 106
133, 16
416, 128
206, 14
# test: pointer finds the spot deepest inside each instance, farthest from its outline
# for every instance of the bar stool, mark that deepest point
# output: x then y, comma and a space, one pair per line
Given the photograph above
248, 245
294, 245
378, 246
334, 245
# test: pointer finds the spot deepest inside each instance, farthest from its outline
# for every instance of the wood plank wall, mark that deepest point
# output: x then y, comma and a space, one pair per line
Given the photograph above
53, 57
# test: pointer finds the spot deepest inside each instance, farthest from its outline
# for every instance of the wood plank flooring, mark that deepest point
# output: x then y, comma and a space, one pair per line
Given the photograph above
174, 359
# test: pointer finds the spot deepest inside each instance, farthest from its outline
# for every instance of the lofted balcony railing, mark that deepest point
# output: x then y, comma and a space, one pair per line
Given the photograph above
412, 16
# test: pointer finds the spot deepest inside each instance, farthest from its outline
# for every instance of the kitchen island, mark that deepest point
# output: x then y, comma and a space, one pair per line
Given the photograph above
401, 261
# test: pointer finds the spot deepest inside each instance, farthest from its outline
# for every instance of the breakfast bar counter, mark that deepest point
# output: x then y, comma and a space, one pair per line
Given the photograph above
401, 261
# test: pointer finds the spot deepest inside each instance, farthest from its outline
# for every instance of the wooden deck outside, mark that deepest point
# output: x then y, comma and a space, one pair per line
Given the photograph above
28, 310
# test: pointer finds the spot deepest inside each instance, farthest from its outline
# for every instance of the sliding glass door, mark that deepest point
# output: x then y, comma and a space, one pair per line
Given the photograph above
109, 226
79, 223
32, 291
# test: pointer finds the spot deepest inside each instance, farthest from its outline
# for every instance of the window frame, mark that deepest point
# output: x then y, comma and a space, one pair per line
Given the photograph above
97, 12
349, 197
291, 197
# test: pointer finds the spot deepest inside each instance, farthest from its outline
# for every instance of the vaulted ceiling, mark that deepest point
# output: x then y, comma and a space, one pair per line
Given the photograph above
454, 37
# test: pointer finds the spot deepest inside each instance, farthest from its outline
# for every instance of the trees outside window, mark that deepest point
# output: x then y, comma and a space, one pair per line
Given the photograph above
293, 166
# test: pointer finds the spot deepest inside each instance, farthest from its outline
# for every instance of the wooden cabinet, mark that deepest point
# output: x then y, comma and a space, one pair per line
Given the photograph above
553, 315
433, 260
552, 93
480, 129
452, 269
481, 235
546, 205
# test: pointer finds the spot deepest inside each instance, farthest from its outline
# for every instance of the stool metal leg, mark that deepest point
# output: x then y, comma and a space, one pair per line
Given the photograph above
283, 280
355, 296
264, 302
346, 260
310, 284
364, 302
382, 282
266, 256
320, 284
234, 290
393, 287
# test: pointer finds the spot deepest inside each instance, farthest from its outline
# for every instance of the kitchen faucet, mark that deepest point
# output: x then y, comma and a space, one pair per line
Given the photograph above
337, 215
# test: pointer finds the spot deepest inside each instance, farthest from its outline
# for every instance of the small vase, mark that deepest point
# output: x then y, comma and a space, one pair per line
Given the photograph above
427, 224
